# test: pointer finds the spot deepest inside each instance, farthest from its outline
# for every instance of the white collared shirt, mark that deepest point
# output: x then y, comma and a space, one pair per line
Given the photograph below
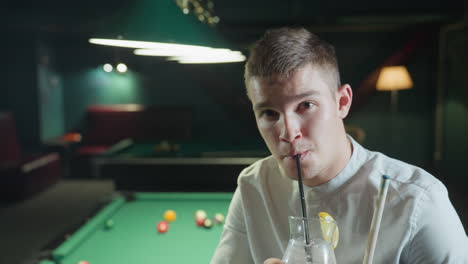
419, 223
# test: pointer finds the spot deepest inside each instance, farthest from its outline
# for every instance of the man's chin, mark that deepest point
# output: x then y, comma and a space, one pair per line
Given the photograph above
290, 173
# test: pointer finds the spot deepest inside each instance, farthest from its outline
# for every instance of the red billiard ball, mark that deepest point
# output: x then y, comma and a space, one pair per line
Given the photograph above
162, 227
200, 221
83, 262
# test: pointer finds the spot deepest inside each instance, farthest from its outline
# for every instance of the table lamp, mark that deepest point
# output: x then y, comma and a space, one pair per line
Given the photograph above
394, 78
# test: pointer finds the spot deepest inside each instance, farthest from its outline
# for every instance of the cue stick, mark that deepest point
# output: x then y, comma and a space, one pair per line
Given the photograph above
376, 219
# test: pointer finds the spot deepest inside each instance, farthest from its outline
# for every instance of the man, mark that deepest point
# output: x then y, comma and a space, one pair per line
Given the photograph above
293, 82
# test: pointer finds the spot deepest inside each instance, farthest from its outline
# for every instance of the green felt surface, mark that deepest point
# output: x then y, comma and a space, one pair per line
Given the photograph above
134, 237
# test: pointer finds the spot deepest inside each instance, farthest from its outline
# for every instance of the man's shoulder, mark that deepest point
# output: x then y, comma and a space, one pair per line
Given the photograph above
258, 169
399, 171
263, 174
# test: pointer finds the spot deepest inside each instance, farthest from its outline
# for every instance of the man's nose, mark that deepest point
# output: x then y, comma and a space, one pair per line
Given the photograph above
290, 129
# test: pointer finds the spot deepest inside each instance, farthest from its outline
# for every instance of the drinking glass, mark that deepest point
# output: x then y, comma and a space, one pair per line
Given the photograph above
320, 234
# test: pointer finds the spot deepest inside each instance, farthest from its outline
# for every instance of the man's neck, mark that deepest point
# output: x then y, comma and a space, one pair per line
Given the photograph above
337, 165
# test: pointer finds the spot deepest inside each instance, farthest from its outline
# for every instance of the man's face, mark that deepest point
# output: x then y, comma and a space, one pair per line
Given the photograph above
300, 115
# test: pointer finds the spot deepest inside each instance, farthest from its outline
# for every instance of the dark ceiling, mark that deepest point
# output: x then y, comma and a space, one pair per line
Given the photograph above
242, 20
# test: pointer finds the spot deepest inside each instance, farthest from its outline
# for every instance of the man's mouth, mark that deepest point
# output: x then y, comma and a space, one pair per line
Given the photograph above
293, 154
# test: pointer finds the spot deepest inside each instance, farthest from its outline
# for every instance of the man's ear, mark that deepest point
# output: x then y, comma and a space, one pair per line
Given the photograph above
344, 97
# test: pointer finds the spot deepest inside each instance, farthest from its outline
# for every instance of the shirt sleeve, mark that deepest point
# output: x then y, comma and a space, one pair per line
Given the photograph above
439, 236
233, 247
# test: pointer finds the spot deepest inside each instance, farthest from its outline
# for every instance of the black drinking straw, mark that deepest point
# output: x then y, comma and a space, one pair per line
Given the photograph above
303, 203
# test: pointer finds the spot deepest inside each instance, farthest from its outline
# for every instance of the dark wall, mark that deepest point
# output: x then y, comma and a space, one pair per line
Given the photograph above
32, 88
20, 88
3, 88
406, 134
454, 81
50, 91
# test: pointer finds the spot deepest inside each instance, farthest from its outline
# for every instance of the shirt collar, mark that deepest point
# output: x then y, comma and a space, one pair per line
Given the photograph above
358, 157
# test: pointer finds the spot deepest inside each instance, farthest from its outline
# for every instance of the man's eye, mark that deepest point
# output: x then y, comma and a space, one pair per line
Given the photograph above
269, 113
306, 105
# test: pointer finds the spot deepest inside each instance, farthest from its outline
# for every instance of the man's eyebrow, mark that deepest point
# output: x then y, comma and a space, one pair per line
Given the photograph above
296, 97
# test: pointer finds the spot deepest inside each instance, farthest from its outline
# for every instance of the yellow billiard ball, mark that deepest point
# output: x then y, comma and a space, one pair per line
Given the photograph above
170, 215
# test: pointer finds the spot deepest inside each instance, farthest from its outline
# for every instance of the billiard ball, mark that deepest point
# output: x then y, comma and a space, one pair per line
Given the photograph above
175, 147
165, 146
200, 221
162, 227
170, 215
218, 218
207, 223
83, 262
129, 196
109, 224
200, 214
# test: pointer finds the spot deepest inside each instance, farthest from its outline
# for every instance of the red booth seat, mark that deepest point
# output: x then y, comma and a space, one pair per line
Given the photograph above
106, 125
23, 175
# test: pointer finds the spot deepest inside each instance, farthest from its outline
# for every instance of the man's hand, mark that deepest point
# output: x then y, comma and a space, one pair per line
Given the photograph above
273, 261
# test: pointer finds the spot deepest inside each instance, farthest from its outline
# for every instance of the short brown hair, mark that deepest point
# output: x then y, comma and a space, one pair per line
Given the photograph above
284, 50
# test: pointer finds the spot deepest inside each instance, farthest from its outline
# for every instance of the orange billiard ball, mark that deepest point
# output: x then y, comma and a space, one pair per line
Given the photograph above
170, 215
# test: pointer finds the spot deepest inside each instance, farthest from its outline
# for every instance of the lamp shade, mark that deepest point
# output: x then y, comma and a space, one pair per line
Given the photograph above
158, 21
160, 28
394, 78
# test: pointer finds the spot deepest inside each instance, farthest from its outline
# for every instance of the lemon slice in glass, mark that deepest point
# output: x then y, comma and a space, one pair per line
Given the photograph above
326, 228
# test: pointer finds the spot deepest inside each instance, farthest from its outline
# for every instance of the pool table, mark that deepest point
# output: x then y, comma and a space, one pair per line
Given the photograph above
133, 237
176, 166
